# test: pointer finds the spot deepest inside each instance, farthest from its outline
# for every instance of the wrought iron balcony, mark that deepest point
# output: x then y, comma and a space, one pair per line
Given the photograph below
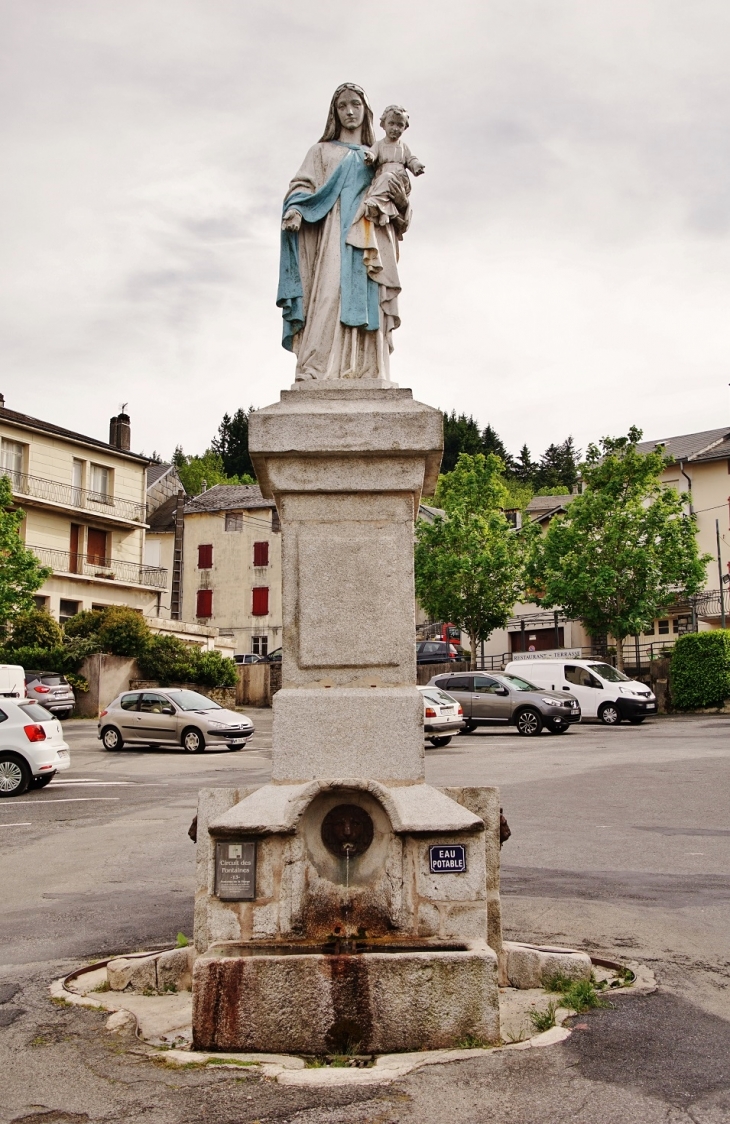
51, 491
94, 566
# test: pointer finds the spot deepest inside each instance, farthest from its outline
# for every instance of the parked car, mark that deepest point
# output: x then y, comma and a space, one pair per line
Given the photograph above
273, 657
250, 657
32, 749
171, 716
435, 651
509, 699
12, 681
52, 690
442, 716
603, 691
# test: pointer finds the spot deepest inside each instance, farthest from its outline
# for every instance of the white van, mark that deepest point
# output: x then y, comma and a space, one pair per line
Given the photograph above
602, 690
12, 681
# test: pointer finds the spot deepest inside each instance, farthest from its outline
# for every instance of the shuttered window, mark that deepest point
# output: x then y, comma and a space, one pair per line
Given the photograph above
260, 600
234, 521
205, 557
204, 607
260, 554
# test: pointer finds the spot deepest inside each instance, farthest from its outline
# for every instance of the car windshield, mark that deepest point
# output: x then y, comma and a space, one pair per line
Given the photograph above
439, 697
35, 712
611, 674
191, 700
518, 684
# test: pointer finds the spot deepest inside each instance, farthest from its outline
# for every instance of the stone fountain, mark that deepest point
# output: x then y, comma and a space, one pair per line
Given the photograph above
347, 904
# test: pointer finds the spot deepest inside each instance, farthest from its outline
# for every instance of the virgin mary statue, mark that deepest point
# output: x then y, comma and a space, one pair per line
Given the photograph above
338, 280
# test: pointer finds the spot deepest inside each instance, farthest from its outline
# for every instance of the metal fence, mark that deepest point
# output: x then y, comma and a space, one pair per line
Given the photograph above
41, 489
92, 566
640, 655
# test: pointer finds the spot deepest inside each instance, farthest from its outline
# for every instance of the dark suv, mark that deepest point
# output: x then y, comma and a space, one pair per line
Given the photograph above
435, 651
499, 698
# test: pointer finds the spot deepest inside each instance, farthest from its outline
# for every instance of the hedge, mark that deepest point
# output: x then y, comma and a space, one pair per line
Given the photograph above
700, 669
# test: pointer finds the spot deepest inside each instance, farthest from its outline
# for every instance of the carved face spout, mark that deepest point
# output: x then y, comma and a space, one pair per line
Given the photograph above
350, 110
347, 830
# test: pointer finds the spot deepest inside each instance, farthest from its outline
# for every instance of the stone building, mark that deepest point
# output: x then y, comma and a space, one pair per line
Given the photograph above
85, 514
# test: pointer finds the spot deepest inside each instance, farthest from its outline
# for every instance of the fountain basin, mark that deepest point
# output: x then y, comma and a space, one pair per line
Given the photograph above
379, 998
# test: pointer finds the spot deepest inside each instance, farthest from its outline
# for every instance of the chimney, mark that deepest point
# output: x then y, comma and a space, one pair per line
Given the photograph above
2, 399
120, 432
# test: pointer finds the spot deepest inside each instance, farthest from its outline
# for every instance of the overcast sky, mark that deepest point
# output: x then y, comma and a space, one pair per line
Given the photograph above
566, 270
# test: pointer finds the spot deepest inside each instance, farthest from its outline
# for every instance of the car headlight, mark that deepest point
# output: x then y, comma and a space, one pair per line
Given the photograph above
625, 691
219, 726
552, 702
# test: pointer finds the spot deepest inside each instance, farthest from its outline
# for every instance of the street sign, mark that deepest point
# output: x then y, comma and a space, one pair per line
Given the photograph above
449, 859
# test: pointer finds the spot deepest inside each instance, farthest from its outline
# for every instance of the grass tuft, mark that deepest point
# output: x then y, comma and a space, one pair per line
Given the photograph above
182, 941
545, 1020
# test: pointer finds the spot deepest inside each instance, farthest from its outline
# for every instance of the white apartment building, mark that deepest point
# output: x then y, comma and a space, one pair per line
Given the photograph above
85, 513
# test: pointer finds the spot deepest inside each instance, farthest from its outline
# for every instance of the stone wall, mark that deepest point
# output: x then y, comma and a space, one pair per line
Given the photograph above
426, 671
107, 676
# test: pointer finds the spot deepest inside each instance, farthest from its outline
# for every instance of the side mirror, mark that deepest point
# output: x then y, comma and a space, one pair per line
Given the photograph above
501, 691
168, 710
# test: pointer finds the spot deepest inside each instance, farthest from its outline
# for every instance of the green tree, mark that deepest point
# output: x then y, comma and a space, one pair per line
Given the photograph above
21, 574
461, 435
493, 443
231, 445
557, 473
624, 550
525, 469
469, 565
36, 628
208, 469
123, 631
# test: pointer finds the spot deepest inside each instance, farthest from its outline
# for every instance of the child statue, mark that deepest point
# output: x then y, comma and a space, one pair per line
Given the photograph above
392, 160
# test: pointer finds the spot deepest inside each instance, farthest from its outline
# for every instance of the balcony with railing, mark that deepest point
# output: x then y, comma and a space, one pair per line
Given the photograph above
95, 566
55, 494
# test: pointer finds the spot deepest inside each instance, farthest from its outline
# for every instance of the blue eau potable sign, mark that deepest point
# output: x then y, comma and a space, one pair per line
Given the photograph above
449, 859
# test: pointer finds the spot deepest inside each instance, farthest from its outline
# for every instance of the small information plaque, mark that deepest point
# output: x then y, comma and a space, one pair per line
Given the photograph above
235, 871
447, 860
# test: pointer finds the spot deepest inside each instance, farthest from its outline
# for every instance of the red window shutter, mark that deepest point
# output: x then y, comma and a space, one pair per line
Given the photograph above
205, 556
204, 607
260, 600
260, 554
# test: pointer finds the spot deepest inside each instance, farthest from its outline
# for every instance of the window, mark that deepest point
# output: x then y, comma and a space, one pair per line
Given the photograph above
41, 602
485, 685
100, 483
260, 554
129, 702
11, 455
260, 645
77, 479
275, 521
204, 606
234, 520
580, 677
152, 552
664, 628
205, 557
649, 631
153, 704
260, 606
66, 610
96, 547
463, 683
3, 716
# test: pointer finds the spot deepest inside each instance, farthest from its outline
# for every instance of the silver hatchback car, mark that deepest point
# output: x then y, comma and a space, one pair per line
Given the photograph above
172, 716
489, 699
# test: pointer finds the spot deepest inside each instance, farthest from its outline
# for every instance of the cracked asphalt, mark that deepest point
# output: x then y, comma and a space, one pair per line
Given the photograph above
621, 845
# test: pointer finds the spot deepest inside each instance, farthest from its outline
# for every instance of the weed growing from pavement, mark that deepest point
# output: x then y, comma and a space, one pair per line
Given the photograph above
545, 1020
169, 987
182, 941
582, 996
230, 1061
473, 1042
103, 986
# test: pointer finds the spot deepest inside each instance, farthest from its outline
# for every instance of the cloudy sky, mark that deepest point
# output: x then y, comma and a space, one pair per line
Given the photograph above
567, 270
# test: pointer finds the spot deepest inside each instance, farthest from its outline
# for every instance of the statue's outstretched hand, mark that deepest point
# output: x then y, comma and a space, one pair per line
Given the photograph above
369, 156
292, 220
418, 168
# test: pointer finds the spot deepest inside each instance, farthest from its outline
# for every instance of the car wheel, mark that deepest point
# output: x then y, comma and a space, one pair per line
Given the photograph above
111, 738
529, 722
468, 728
609, 715
439, 742
41, 782
192, 740
63, 715
15, 776
637, 721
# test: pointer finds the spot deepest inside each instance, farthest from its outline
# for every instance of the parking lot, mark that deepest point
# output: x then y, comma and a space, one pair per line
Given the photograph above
620, 845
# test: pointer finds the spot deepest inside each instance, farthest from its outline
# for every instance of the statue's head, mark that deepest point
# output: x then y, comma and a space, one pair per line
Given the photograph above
394, 121
349, 105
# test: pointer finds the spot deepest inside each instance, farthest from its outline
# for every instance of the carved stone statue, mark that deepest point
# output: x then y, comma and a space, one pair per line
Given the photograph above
338, 281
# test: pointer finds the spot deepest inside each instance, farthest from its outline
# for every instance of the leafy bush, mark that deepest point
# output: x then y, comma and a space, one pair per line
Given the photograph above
41, 659
166, 660
86, 623
211, 669
700, 669
35, 629
123, 631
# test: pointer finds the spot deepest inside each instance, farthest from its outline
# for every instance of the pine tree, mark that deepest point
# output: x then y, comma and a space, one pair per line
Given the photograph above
493, 443
558, 469
231, 444
525, 469
461, 435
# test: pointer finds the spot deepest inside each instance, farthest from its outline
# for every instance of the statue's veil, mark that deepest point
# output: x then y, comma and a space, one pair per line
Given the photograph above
333, 127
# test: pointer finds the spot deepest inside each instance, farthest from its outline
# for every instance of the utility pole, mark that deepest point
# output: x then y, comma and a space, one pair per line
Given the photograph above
719, 572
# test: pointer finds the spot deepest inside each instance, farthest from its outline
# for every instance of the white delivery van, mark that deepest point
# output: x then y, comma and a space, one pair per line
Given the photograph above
12, 681
602, 690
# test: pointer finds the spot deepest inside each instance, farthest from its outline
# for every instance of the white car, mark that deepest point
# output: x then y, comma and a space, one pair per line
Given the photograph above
32, 749
443, 716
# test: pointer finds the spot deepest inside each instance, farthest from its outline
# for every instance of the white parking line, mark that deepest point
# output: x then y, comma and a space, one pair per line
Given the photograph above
64, 800
107, 784
16, 824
